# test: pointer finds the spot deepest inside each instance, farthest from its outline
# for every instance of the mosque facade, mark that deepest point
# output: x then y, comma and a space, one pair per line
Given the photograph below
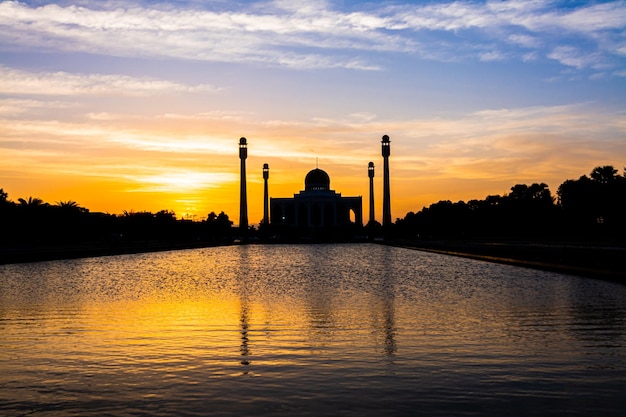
316, 207
316, 211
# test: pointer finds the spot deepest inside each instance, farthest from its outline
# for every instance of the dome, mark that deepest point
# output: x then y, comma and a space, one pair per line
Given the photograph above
317, 179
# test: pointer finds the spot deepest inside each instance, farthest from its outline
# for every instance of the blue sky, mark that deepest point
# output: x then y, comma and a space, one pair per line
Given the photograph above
144, 100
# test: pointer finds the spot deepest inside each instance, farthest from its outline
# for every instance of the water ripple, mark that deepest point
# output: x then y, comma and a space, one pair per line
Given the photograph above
307, 330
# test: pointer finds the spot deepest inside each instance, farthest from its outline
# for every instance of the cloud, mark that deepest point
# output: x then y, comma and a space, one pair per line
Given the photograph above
574, 57
316, 35
11, 107
62, 83
535, 25
216, 115
492, 56
525, 40
589, 19
178, 180
184, 34
541, 143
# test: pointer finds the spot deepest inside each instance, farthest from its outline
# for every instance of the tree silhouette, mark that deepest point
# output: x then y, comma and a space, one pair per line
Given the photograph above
534, 193
604, 175
31, 202
34, 225
71, 205
219, 226
588, 208
594, 205
526, 212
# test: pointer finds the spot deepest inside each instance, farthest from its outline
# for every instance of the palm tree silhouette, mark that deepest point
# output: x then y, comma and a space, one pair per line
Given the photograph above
31, 202
71, 206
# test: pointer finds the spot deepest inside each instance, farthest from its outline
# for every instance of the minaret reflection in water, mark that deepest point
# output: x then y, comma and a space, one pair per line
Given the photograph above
244, 315
387, 298
244, 348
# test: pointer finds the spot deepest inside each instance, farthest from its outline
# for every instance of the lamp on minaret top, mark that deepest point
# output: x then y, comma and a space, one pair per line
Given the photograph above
386, 150
266, 176
243, 199
243, 148
370, 174
385, 146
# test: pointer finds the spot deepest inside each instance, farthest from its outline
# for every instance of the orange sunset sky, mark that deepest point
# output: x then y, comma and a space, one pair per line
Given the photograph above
139, 105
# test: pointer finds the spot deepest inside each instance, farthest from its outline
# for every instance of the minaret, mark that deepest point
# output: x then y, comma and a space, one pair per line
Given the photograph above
386, 194
243, 200
370, 173
266, 175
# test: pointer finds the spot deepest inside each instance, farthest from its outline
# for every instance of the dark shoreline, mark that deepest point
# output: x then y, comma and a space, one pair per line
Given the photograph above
591, 260
27, 254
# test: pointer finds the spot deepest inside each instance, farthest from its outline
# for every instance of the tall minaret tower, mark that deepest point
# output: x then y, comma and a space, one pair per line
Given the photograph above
266, 175
386, 193
370, 173
243, 199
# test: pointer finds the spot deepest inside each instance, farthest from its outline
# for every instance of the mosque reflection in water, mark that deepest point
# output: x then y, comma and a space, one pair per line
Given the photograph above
318, 309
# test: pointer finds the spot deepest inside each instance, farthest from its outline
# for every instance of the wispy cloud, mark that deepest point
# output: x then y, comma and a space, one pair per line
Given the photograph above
17, 81
179, 180
533, 25
11, 107
574, 57
318, 35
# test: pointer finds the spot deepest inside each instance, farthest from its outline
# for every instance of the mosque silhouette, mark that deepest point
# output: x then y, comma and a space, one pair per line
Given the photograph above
316, 211
317, 206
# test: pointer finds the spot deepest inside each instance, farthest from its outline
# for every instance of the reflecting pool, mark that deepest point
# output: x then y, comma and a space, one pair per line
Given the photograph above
354, 329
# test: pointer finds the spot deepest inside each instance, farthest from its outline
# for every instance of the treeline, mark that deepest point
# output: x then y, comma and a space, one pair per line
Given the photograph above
33, 222
591, 207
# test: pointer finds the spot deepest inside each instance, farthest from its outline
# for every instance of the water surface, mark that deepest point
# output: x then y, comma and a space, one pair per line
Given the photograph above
307, 330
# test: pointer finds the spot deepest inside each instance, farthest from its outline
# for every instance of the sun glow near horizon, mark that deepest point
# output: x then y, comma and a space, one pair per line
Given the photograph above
152, 172
149, 126
193, 192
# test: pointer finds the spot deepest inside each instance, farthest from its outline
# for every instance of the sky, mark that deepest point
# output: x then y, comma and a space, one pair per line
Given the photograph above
139, 105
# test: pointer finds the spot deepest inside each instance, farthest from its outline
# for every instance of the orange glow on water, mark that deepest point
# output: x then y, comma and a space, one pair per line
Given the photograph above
285, 322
